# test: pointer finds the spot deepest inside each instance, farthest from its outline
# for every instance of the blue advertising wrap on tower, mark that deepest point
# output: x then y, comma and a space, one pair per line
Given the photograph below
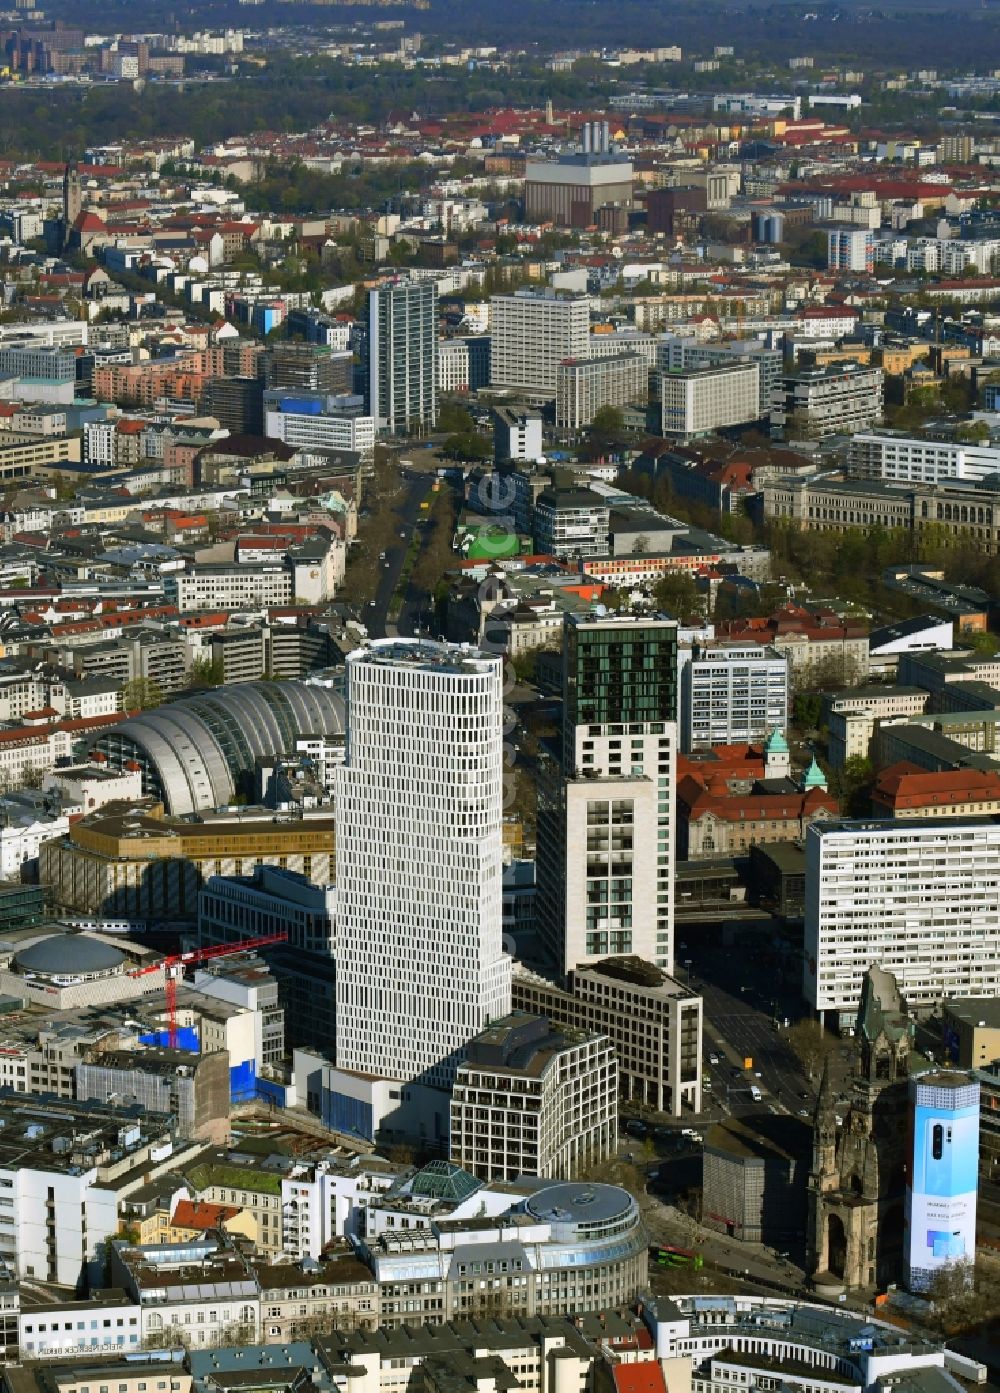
944, 1179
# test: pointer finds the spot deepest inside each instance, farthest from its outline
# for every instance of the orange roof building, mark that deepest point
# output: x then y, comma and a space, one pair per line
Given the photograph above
904, 790
193, 1217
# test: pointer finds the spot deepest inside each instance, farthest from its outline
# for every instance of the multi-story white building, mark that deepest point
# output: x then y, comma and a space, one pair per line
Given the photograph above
421, 968
605, 819
677, 352
914, 461
452, 365
918, 897
401, 356
532, 332
850, 249
571, 522
624, 340
654, 1023
840, 398
95, 1325
197, 1292
732, 694
528, 1100
321, 432
517, 435
697, 401
225, 587
62, 1175
585, 385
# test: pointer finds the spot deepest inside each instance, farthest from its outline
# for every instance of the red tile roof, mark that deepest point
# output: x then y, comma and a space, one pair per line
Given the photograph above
197, 1214
645, 1377
904, 786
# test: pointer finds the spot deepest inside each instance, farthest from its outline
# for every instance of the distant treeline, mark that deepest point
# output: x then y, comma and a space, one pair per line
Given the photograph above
910, 33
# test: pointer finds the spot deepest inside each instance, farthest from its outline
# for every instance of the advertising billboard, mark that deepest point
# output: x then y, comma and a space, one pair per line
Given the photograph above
944, 1179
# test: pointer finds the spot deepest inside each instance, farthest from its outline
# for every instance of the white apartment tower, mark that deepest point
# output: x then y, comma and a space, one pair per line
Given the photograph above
401, 349
919, 897
420, 966
532, 332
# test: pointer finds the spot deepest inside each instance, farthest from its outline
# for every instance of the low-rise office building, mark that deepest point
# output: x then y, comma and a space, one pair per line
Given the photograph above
696, 401
530, 1100
839, 399
586, 385
654, 1023
131, 860
104, 1323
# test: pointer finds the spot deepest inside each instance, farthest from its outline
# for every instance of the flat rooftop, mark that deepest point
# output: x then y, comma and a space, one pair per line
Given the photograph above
976, 1011
424, 653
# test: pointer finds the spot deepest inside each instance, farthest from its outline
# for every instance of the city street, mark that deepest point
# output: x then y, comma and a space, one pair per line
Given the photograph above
417, 488
746, 1002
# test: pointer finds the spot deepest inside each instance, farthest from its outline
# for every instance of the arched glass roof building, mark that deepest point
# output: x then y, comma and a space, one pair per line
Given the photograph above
196, 752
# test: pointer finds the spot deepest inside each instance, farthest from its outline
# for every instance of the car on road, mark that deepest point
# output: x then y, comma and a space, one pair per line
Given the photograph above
713, 1058
804, 1096
803, 1112
403, 536
757, 1074
381, 556
636, 1128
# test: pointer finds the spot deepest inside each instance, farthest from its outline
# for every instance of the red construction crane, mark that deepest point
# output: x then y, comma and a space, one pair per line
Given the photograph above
174, 965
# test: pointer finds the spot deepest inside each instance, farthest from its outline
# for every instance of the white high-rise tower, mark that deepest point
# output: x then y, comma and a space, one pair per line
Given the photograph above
420, 963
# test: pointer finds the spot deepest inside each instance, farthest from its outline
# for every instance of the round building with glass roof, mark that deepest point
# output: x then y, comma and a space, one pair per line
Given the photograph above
197, 752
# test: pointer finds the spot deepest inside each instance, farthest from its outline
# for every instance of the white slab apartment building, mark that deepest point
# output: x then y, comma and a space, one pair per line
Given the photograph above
919, 898
900, 459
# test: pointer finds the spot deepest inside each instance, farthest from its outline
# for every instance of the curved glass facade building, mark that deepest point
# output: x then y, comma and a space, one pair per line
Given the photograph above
195, 753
